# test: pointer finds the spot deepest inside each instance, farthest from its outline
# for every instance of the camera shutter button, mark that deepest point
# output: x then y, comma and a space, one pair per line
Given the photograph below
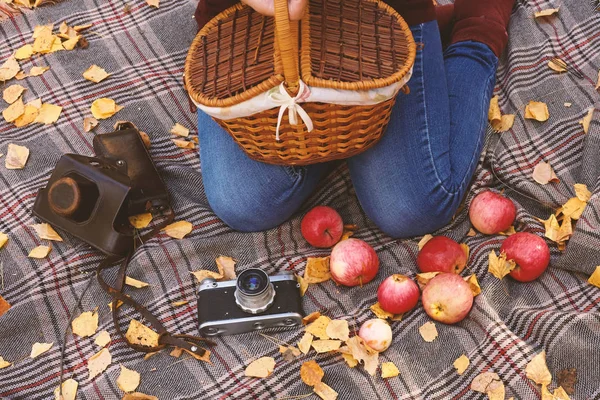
64, 196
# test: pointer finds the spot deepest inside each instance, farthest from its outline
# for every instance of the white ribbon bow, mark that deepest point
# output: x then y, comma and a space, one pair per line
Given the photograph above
283, 99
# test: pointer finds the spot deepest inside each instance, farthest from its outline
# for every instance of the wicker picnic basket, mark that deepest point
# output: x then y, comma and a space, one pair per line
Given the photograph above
302, 92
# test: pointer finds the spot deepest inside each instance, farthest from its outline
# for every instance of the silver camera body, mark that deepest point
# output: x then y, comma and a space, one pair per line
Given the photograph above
252, 302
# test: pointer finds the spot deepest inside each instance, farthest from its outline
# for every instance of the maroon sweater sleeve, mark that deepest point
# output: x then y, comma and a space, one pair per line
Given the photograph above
208, 9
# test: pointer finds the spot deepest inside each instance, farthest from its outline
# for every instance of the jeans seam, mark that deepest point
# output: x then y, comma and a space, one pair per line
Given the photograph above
293, 172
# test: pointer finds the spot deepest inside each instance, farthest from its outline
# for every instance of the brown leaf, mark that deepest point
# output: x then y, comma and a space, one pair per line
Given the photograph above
226, 266
428, 331
567, 378
179, 229
86, 324
179, 303
311, 373
95, 74
261, 368
317, 270
98, 363
499, 266
325, 392
537, 370
543, 174
319, 327
4, 306
361, 352
12, 93
461, 364
311, 317
140, 334
128, 379
537, 110
389, 370
338, 329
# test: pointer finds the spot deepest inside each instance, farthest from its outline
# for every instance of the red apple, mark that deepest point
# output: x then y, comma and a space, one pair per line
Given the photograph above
322, 227
353, 262
442, 254
377, 334
447, 298
530, 252
491, 213
398, 294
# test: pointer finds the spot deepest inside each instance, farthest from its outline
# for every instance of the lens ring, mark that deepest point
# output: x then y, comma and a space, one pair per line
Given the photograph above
252, 282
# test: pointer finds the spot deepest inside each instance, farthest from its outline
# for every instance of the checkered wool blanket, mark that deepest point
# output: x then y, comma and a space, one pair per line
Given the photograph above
145, 51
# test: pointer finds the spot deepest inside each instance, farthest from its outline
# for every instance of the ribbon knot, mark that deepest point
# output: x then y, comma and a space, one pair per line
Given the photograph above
287, 102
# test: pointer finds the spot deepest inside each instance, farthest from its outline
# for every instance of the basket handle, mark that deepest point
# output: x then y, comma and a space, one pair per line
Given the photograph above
287, 39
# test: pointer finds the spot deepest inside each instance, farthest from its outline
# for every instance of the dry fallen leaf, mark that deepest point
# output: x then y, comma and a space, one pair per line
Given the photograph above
184, 144
494, 113
510, 231
311, 317
325, 346
350, 360
473, 284
179, 303
226, 266
325, 392
559, 394
16, 156
39, 348
303, 284
9, 69
424, 278
128, 379
140, 221
380, 312
594, 279
176, 352
203, 274
98, 363
46, 232
546, 13
585, 122
69, 390
102, 339
389, 370
557, 67
424, 241
104, 108
489, 383
138, 396
135, 283
361, 352
29, 116
428, 331
461, 364
537, 110
86, 324
24, 52
311, 373
48, 114
95, 74
39, 252
119, 304
567, 378
499, 266
317, 270
582, 192
70, 43
471, 233
180, 130
3, 239
537, 370
505, 124
319, 327
3, 363
338, 329
543, 174
37, 71
14, 111
305, 343
179, 229
4, 306
260, 368
138, 333
12, 93
573, 208
89, 123
348, 231
289, 353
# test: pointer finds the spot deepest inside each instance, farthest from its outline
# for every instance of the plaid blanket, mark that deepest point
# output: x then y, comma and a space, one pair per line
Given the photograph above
144, 50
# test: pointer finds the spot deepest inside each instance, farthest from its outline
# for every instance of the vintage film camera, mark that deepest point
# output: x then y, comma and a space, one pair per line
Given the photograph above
92, 197
252, 302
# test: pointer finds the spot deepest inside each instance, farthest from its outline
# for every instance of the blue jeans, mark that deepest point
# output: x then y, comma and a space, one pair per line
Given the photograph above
410, 183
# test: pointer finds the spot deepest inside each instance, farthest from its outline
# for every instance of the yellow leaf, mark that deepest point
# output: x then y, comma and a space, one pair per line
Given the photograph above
138, 396
3, 239
466, 249
226, 266
16, 156
14, 111
140, 334
543, 174
557, 67
260, 368
573, 208
582, 192
48, 114
40, 252
381, 313
21, 75
473, 284
179, 303
303, 284
37, 103
510, 231
9, 69
39, 348
128, 379
461, 364
104, 108
505, 124
12, 93
56, 45
471, 233
499, 266
560, 394
203, 274
311, 317
98, 363
537, 370
424, 241
585, 122
180, 130
102, 339
311, 373
325, 346
37, 71
338, 329
428, 331
79, 28
184, 144
389, 370
135, 283
494, 113
4, 306
140, 221
537, 110
43, 42
153, 3
351, 361
3, 363
41, 30
424, 278
70, 43
24, 52
325, 392
69, 390
179, 229
566, 230
119, 304
89, 123
46, 232
95, 74
546, 13
487, 382
317, 270
362, 352
593, 280
319, 327
552, 227
348, 231
86, 324
305, 343
28, 117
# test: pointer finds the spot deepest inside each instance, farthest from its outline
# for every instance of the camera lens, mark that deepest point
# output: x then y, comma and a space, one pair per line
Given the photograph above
254, 292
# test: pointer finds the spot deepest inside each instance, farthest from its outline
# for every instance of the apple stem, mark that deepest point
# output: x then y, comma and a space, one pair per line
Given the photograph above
328, 234
360, 280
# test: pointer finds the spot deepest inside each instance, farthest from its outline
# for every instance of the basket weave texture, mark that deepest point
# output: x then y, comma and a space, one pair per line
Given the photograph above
354, 45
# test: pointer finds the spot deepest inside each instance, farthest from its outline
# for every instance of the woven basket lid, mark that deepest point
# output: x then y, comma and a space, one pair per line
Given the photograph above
340, 44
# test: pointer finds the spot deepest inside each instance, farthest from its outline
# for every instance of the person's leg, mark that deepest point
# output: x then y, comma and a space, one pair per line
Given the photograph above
414, 179
248, 195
